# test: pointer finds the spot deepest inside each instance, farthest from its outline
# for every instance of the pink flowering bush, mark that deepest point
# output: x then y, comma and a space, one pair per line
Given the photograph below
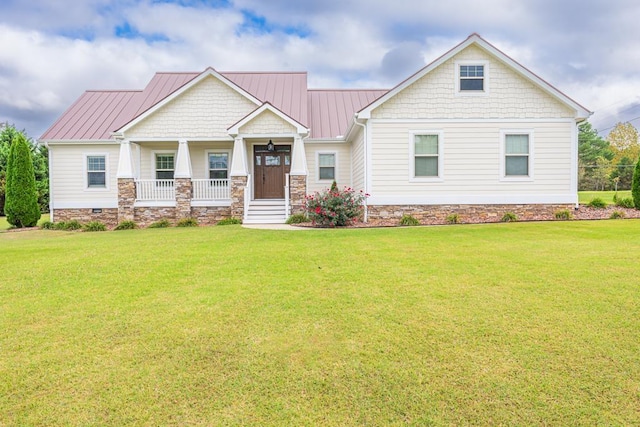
334, 207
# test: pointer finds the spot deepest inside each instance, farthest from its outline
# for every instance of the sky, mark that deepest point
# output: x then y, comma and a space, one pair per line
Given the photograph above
53, 50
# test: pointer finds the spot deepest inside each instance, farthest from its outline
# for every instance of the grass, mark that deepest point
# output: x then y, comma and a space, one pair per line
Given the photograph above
4, 225
501, 324
585, 197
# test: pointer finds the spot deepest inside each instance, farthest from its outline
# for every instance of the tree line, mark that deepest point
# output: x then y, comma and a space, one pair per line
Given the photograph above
607, 163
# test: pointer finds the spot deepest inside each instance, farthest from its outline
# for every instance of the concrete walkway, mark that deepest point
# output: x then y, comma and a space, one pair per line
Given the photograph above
276, 227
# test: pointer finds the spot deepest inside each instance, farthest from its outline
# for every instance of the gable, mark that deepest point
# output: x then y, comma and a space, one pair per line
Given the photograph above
267, 122
509, 95
205, 110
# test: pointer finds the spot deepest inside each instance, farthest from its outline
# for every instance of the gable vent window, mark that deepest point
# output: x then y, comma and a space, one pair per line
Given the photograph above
472, 78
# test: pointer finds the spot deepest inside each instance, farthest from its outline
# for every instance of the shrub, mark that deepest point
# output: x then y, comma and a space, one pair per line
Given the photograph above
453, 218
331, 208
94, 226
47, 225
229, 221
509, 217
635, 185
298, 218
187, 222
597, 202
126, 225
163, 223
68, 225
21, 198
409, 220
616, 215
626, 202
563, 215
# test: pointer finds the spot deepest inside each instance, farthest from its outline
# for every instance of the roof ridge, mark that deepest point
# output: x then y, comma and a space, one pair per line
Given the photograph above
263, 72
114, 90
345, 90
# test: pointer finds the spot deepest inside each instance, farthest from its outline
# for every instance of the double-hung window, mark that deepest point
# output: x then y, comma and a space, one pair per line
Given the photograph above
326, 166
517, 155
96, 172
218, 165
471, 78
426, 155
165, 166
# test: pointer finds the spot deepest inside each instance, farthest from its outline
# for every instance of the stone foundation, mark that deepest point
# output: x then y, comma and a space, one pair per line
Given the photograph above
297, 193
107, 216
437, 214
210, 215
144, 216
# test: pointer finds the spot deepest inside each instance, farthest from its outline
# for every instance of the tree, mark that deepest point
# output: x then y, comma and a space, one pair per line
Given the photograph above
624, 172
40, 160
635, 186
21, 204
624, 142
591, 147
601, 173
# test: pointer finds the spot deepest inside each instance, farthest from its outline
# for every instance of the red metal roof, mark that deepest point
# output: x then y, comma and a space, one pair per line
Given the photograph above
332, 110
97, 114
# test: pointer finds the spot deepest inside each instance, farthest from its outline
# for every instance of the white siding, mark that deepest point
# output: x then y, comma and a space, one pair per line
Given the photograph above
206, 110
472, 160
509, 95
343, 168
69, 180
357, 160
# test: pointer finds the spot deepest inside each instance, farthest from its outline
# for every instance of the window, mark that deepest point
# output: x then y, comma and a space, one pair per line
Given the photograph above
165, 166
471, 77
426, 156
96, 172
326, 166
218, 165
516, 150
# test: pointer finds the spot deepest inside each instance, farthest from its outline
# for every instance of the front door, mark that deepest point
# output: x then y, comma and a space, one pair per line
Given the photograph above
269, 169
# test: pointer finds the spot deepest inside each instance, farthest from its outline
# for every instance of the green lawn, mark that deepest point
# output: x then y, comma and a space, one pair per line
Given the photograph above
4, 225
585, 197
500, 324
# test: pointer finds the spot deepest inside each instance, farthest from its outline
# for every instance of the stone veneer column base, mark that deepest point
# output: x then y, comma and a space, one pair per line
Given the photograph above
238, 183
126, 198
183, 198
437, 214
297, 193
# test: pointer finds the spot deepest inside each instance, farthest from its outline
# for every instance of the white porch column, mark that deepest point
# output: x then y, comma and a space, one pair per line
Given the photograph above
298, 157
239, 158
183, 160
125, 161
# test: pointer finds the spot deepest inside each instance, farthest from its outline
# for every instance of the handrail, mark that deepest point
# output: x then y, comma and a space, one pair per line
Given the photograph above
287, 203
247, 197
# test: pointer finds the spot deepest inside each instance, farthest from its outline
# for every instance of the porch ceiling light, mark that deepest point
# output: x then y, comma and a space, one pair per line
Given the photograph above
270, 146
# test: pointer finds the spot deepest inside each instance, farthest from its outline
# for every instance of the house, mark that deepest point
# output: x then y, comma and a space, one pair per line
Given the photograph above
472, 132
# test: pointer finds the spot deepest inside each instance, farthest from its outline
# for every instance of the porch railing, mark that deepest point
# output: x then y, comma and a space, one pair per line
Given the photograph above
287, 202
247, 198
211, 189
155, 189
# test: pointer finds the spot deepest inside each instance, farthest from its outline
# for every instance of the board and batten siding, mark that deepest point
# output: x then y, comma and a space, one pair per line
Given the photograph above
68, 176
343, 168
205, 110
472, 164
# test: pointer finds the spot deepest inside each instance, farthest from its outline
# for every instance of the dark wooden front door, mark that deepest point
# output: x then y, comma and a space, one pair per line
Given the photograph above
269, 169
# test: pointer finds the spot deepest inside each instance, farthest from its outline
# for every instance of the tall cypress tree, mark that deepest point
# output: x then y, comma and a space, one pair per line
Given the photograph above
635, 185
21, 204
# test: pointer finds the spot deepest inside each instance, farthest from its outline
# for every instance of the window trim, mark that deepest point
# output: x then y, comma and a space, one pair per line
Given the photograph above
335, 166
412, 149
153, 161
486, 78
85, 169
207, 170
503, 155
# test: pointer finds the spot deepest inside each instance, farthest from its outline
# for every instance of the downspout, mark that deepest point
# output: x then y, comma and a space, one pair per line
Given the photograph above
364, 163
49, 161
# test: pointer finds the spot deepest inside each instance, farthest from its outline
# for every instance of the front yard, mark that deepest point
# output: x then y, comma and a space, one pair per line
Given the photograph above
514, 324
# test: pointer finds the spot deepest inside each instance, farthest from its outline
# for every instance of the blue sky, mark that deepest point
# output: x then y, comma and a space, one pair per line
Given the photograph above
53, 50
